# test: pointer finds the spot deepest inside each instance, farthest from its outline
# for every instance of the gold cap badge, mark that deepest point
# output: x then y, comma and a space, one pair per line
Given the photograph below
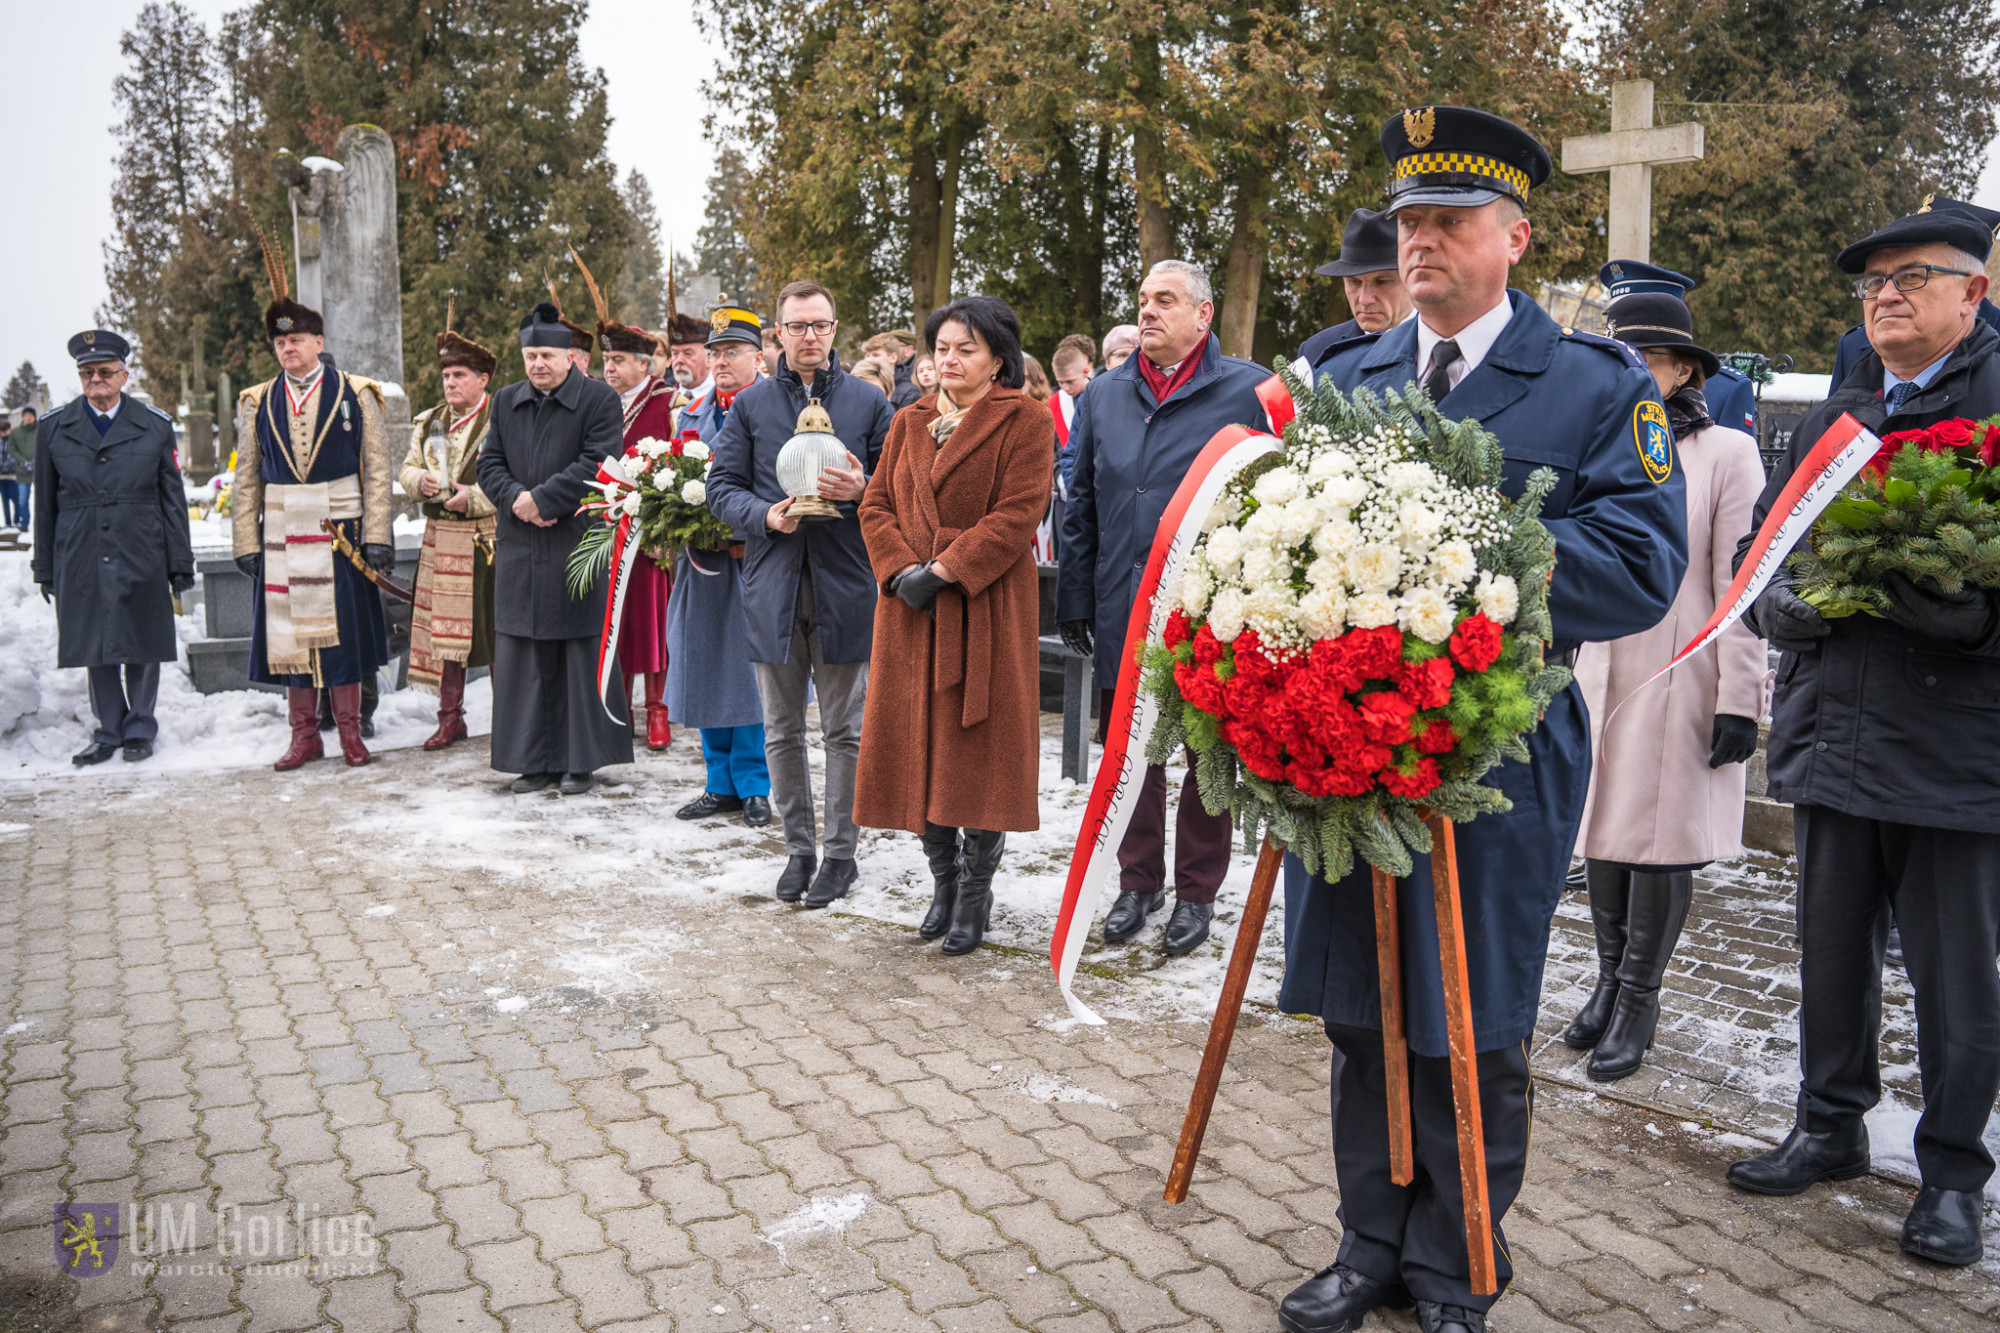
1420, 125
90, 339
719, 321
1928, 200
284, 323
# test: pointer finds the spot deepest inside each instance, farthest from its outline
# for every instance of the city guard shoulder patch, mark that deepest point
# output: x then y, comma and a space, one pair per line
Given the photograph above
1654, 440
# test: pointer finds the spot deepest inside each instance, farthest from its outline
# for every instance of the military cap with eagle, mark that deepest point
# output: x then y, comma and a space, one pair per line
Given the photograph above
734, 324
95, 345
1460, 157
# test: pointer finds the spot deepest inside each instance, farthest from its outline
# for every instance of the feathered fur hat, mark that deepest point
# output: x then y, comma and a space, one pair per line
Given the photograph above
455, 349
611, 335
284, 315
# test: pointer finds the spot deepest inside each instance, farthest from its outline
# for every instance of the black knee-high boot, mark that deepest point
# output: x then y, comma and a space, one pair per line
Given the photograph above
1610, 892
1659, 908
974, 907
947, 873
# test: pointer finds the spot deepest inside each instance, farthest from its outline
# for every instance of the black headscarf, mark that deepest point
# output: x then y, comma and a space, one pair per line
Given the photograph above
1687, 411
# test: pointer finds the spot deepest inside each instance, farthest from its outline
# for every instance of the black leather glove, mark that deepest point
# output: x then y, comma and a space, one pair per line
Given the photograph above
918, 587
1077, 634
180, 583
1735, 740
48, 592
380, 556
1791, 625
248, 564
1957, 618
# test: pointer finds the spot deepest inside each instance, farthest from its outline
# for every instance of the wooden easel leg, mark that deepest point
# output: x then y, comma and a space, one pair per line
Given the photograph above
1464, 1058
1222, 1028
1395, 1048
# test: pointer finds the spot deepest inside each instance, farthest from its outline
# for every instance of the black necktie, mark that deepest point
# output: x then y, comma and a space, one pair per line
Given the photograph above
1438, 383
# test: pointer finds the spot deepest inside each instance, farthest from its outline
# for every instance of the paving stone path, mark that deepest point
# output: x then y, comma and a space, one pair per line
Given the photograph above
342, 1079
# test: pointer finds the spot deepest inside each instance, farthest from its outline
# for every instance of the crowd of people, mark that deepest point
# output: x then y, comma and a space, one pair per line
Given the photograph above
905, 602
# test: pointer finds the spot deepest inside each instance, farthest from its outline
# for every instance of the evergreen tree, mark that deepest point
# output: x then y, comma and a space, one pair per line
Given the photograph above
722, 246
21, 389
640, 294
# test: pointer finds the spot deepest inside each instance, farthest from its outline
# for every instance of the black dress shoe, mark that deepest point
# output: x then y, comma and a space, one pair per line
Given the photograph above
576, 784
1943, 1226
1187, 928
709, 803
1804, 1160
792, 885
1336, 1300
1435, 1317
1128, 914
94, 753
137, 750
756, 811
528, 782
835, 875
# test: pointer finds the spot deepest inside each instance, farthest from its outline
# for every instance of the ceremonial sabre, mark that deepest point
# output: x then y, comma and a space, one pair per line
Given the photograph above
360, 562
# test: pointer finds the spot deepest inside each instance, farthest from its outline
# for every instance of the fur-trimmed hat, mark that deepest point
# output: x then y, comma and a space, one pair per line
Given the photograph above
611, 335
284, 315
455, 349
684, 329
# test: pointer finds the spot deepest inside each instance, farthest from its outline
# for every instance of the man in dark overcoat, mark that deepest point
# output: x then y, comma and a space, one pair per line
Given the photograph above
808, 589
1587, 408
1367, 272
547, 437
1885, 739
1854, 345
111, 545
1136, 433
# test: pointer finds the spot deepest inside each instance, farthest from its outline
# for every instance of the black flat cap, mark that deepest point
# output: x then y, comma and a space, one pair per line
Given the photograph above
1368, 246
94, 345
1961, 231
1460, 157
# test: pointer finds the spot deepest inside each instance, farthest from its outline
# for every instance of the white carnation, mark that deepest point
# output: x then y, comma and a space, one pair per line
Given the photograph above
1224, 550
1371, 609
1301, 516
1280, 485
1330, 463
651, 447
630, 504
1196, 585
1407, 478
1499, 597
1216, 518
1265, 567
1418, 525
1453, 564
1264, 525
1272, 612
1425, 613
1225, 617
1374, 567
695, 449
694, 493
1323, 611
1336, 538
1344, 492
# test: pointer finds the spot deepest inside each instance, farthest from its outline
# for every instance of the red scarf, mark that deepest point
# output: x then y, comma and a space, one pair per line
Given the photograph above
1156, 379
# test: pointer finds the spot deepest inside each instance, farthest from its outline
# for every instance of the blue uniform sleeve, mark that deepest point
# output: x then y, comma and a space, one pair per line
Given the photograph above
1076, 574
1621, 547
731, 478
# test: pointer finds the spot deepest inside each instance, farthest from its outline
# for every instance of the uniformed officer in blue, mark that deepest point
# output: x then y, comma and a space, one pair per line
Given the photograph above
111, 544
1732, 397
1586, 407
1854, 346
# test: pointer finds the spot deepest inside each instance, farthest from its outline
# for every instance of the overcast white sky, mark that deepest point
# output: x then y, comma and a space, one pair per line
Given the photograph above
57, 148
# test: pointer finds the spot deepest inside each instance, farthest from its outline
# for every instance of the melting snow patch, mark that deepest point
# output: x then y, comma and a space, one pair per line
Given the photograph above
381, 909
513, 1004
822, 1214
1045, 1088
14, 1029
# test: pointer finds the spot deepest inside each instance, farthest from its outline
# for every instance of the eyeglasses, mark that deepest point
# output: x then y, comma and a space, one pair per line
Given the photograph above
89, 373
819, 328
1906, 279
734, 352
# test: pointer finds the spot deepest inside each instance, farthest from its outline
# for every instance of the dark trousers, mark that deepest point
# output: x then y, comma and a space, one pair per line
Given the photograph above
1414, 1234
1943, 887
11, 509
1201, 840
123, 697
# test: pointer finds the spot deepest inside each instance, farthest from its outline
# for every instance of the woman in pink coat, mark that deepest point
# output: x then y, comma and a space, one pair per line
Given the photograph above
1666, 796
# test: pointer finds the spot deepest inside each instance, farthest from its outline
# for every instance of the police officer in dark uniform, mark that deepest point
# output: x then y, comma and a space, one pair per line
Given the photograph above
1731, 395
1367, 268
1885, 740
111, 544
1586, 407
1854, 343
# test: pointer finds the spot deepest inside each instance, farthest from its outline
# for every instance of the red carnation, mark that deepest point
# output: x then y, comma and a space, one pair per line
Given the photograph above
1207, 648
1951, 436
1385, 717
1475, 644
1374, 653
1426, 684
1437, 737
1415, 785
1199, 687
1331, 661
1179, 628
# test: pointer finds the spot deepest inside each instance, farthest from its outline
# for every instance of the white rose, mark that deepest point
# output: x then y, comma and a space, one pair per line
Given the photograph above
1330, 463
1279, 486
1452, 562
1225, 617
1224, 550
1323, 611
1374, 567
695, 449
1425, 613
695, 493
1499, 597
1371, 609
1336, 538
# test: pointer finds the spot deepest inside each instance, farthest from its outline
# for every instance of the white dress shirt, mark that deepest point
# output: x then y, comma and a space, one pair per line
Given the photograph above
1474, 341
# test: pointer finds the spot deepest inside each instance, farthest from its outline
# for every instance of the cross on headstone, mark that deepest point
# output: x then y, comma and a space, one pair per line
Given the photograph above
1630, 152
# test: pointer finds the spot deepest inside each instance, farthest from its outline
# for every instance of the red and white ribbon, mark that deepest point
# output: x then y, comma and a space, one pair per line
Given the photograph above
624, 546
1094, 864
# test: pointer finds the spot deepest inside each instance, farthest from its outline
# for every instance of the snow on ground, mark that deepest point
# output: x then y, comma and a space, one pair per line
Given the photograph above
45, 710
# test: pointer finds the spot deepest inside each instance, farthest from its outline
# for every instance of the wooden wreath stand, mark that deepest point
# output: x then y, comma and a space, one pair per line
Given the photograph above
1395, 1049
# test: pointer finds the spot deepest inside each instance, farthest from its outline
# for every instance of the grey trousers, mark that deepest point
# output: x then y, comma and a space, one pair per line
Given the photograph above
843, 689
123, 697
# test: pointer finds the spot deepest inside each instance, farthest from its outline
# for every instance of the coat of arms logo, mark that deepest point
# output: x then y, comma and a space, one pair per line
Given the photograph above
1421, 126
86, 1238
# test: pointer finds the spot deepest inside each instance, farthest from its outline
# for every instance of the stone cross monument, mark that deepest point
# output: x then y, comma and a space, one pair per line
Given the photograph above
344, 235
1630, 152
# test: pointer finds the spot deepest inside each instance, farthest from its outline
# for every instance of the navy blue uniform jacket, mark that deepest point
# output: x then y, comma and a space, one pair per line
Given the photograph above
1571, 402
1127, 456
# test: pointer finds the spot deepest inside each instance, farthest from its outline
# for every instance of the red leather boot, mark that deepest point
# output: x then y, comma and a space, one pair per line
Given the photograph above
347, 720
451, 707
303, 706
658, 734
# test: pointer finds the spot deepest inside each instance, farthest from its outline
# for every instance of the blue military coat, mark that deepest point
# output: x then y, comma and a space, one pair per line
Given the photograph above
1572, 402
1127, 456
712, 683
1732, 401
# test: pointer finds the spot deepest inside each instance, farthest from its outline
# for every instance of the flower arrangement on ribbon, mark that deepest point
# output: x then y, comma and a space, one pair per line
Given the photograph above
1357, 635
1926, 506
662, 487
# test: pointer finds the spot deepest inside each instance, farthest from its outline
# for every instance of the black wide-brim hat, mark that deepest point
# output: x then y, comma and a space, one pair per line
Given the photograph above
1654, 319
1368, 246
1950, 227
1460, 157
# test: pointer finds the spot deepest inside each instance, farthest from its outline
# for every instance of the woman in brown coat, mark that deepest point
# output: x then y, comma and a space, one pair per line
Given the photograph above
951, 736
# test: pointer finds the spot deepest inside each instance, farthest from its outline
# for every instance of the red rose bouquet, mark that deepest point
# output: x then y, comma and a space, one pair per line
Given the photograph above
1924, 506
1358, 633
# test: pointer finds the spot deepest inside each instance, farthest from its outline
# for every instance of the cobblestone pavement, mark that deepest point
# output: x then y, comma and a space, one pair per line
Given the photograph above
492, 1094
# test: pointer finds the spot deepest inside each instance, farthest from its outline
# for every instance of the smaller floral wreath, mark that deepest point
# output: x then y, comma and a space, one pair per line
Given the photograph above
666, 497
